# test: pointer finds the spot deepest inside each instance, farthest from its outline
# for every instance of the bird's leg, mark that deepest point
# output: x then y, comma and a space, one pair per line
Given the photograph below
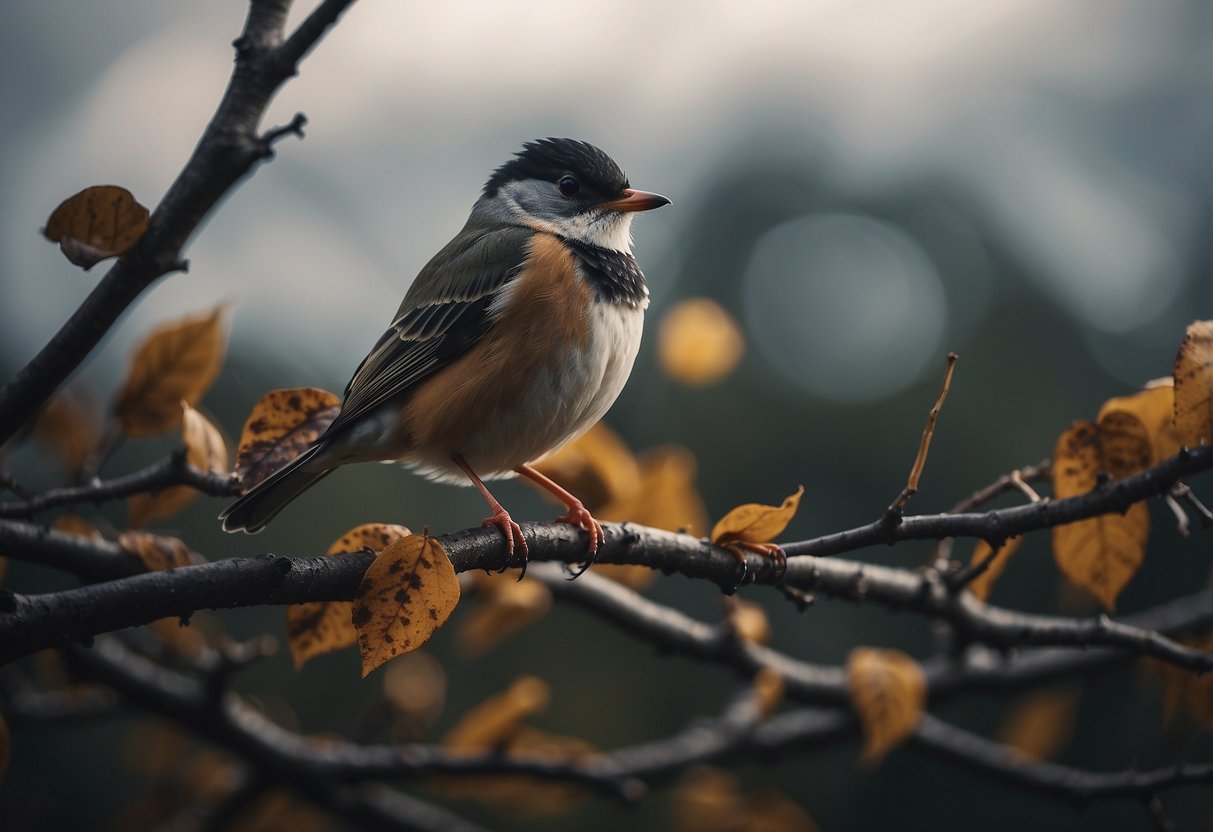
499, 518
578, 515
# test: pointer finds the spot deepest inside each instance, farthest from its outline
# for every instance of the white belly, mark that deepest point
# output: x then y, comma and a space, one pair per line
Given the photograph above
558, 406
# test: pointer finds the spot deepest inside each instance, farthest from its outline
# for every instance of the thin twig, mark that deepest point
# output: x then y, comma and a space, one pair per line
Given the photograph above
924, 444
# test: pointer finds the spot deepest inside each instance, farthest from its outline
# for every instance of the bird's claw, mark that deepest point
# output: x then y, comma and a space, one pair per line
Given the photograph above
766, 550
578, 515
513, 538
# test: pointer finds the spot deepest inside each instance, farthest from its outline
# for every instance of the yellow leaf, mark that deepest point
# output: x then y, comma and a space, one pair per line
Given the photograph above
748, 620
983, 583
70, 425
1155, 408
1100, 554
281, 426
708, 800
1124, 444
756, 523
99, 222
768, 690
177, 361
494, 722
324, 626
156, 551
597, 466
415, 686
699, 343
889, 693
205, 450
503, 606
405, 595
1193, 376
1040, 724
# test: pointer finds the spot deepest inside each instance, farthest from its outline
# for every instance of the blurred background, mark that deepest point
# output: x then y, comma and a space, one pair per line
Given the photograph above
858, 187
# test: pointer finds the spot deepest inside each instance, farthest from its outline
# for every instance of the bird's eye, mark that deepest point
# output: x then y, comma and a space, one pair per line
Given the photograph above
568, 185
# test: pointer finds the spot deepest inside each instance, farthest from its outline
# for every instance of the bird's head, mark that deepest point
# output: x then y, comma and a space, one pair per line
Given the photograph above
570, 188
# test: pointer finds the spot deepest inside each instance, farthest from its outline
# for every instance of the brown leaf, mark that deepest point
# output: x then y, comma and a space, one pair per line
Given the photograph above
889, 693
503, 606
1155, 408
205, 450
597, 466
756, 523
1124, 444
405, 595
156, 551
78, 526
494, 722
768, 690
281, 426
99, 222
748, 620
708, 800
177, 361
768, 810
1040, 724
415, 686
983, 583
324, 626
70, 425
1193, 376
699, 343
1100, 554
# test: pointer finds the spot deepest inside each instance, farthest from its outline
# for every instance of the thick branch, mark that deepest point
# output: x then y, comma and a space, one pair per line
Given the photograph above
228, 150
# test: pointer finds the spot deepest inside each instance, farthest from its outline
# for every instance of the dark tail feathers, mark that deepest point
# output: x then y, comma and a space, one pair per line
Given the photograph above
256, 508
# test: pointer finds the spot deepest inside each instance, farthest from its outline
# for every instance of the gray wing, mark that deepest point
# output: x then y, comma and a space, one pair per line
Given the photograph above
444, 314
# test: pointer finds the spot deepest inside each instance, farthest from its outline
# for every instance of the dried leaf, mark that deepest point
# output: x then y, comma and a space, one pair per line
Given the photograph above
699, 343
1100, 554
282, 425
493, 722
667, 497
1155, 408
748, 620
205, 450
405, 595
889, 693
983, 583
75, 525
1193, 376
708, 800
324, 626
1040, 724
156, 551
415, 686
503, 606
597, 466
768, 690
1124, 444
756, 523
99, 222
177, 361
70, 425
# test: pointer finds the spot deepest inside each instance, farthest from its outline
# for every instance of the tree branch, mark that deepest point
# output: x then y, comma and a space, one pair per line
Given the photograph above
226, 153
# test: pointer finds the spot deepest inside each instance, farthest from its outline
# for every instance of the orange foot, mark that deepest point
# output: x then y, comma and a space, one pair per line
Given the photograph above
513, 536
766, 550
578, 515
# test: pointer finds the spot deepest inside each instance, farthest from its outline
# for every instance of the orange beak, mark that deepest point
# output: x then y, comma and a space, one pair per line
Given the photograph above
633, 200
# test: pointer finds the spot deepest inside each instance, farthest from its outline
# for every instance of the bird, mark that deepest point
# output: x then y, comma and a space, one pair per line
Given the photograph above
513, 340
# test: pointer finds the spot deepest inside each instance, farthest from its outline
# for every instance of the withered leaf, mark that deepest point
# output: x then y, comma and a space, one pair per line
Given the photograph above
1039, 725
405, 595
699, 343
1124, 443
177, 361
983, 583
324, 626
99, 222
281, 426
493, 722
708, 799
204, 449
74, 524
1193, 376
889, 691
768, 690
503, 606
70, 425
1155, 408
156, 551
1100, 554
756, 523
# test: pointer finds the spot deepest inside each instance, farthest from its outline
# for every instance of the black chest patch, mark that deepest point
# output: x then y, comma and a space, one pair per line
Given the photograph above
614, 275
